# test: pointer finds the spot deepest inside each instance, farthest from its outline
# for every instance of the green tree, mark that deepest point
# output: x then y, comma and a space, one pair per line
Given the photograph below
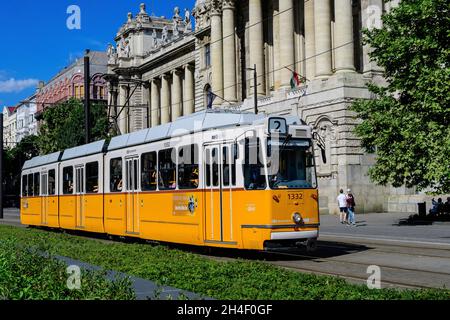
14, 159
407, 125
63, 126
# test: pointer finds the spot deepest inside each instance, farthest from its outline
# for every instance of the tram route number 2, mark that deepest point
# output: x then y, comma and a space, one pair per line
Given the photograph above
295, 196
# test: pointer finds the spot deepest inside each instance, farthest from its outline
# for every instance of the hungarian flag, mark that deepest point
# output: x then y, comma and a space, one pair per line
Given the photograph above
295, 80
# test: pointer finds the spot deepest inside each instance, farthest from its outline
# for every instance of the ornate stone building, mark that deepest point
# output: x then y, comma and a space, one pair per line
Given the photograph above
69, 82
164, 69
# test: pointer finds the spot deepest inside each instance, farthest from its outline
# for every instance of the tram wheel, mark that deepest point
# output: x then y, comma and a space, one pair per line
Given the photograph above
311, 245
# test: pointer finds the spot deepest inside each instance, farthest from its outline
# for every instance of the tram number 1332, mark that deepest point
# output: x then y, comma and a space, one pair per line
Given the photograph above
295, 196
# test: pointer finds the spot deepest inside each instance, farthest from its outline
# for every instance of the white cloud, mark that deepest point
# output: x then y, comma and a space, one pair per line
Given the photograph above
13, 85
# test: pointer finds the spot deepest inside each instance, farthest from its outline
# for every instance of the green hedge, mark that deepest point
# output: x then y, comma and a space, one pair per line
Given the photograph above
29, 274
241, 279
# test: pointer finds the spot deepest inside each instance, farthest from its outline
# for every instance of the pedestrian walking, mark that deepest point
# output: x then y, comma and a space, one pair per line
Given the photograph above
342, 203
350, 202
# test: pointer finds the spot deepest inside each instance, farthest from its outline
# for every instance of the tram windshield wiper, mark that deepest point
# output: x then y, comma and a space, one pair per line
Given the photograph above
285, 142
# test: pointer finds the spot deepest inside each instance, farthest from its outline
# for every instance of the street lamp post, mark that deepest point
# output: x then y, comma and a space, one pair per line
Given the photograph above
255, 87
87, 97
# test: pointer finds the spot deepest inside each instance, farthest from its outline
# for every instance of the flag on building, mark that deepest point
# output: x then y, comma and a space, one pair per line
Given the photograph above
211, 97
296, 80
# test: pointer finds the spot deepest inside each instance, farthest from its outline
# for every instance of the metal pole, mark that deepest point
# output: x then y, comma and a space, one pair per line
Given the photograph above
255, 80
1, 167
87, 97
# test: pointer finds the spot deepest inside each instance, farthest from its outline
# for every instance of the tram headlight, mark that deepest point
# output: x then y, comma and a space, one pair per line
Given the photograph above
297, 218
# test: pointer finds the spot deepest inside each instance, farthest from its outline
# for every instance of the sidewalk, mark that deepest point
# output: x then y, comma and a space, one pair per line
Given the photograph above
385, 226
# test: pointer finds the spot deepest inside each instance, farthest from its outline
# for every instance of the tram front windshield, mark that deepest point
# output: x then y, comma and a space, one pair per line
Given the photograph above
291, 164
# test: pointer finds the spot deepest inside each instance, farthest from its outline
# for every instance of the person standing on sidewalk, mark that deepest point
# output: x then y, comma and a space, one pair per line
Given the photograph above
342, 203
350, 202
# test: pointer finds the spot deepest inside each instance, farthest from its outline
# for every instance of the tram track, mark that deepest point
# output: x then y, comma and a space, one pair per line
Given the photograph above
398, 251
392, 271
365, 264
356, 279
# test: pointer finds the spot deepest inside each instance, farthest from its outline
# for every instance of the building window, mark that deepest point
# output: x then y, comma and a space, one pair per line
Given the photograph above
207, 56
148, 171
68, 180
188, 167
92, 177
116, 175
167, 169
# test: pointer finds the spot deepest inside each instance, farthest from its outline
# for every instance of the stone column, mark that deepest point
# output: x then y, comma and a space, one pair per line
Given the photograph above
287, 51
146, 101
229, 51
371, 12
217, 50
165, 99
276, 44
256, 33
155, 105
322, 33
310, 45
123, 111
176, 94
189, 90
344, 36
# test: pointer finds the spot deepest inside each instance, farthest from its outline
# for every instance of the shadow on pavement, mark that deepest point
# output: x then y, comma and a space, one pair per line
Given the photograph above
417, 220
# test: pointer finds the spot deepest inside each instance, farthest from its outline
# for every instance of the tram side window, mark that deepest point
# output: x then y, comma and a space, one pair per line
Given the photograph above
188, 167
254, 178
68, 180
148, 171
24, 186
36, 184
215, 167
229, 165
30, 185
226, 166
234, 156
92, 177
116, 175
167, 169
51, 182
208, 167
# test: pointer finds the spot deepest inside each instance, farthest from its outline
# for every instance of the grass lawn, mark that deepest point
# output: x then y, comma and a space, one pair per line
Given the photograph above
31, 275
241, 279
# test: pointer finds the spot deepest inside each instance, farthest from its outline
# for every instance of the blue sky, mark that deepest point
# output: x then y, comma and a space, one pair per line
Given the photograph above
36, 42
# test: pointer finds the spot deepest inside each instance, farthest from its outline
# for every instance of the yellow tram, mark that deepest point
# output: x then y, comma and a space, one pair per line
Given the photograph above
214, 178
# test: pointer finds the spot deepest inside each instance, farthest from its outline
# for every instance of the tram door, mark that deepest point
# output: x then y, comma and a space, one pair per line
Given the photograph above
79, 196
218, 193
132, 200
44, 198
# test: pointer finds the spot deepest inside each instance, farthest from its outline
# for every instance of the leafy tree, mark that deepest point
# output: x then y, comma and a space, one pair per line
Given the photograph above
14, 159
408, 124
63, 126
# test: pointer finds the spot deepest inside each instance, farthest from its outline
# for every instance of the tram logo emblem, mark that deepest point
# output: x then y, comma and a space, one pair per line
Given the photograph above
192, 204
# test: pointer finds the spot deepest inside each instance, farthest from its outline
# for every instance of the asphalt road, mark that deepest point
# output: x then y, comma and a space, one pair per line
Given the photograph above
407, 256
